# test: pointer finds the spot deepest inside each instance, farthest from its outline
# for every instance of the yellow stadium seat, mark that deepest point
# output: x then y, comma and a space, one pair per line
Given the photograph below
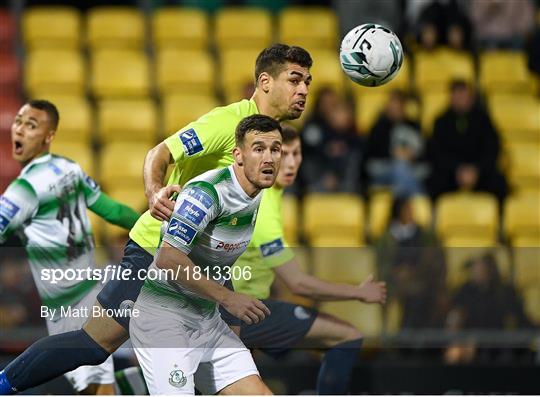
127, 120
76, 119
180, 110
366, 318
120, 73
326, 71
524, 166
380, 204
433, 106
115, 27
434, 71
180, 28
309, 27
369, 107
457, 257
54, 72
522, 220
504, 72
344, 265
393, 316
467, 219
131, 197
527, 266
52, 27
121, 165
532, 303
237, 72
335, 217
185, 71
401, 82
290, 219
243, 27
517, 117
79, 152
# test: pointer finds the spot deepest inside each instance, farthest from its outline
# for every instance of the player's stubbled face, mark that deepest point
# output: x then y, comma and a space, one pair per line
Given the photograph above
291, 158
30, 134
289, 91
261, 156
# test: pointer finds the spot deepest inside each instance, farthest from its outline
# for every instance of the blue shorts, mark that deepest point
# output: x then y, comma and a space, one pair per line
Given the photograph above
287, 325
122, 294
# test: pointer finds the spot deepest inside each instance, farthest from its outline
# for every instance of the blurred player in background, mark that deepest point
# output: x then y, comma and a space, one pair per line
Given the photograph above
282, 81
46, 207
289, 324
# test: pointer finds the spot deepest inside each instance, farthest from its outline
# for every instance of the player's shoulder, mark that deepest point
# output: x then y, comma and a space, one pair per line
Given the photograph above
232, 112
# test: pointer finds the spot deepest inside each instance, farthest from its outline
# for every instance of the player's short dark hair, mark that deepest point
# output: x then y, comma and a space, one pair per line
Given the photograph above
256, 122
47, 107
273, 59
459, 84
289, 133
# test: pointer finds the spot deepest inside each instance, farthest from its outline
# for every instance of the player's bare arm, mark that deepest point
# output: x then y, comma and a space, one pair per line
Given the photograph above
303, 284
244, 307
155, 168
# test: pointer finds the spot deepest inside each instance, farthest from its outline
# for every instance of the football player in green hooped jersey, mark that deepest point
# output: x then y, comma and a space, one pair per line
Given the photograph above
289, 324
282, 79
46, 207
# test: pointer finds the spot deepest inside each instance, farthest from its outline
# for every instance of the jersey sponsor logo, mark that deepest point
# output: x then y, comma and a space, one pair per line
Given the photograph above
191, 212
180, 231
201, 196
192, 143
228, 247
91, 183
177, 379
272, 248
8, 210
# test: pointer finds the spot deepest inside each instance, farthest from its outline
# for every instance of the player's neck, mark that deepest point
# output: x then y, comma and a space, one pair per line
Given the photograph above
264, 107
249, 188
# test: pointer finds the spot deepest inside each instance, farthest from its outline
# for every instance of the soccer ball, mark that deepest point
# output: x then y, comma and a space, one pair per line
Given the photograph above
371, 55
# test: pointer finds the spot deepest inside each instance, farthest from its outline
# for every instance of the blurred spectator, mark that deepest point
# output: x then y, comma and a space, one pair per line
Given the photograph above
19, 302
439, 22
464, 148
352, 13
410, 260
331, 145
484, 302
502, 23
392, 156
534, 51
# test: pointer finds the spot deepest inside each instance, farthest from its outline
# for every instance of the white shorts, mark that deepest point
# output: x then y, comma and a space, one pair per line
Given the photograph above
176, 357
86, 375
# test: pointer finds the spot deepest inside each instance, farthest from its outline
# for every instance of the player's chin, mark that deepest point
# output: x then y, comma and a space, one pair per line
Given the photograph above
295, 113
266, 181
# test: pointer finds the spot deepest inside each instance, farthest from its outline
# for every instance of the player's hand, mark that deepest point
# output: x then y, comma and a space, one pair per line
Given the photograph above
249, 310
160, 204
372, 291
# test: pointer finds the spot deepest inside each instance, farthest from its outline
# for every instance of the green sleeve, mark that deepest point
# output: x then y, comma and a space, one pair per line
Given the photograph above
114, 212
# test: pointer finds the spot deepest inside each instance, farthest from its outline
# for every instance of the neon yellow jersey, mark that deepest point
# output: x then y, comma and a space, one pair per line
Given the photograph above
266, 250
202, 145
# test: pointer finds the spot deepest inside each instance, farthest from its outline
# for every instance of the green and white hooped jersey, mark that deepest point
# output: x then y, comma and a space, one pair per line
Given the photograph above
46, 207
212, 222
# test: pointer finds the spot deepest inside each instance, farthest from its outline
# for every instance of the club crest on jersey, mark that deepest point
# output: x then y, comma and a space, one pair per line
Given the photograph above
192, 143
177, 379
272, 248
201, 196
7, 211
181, 231
191, 212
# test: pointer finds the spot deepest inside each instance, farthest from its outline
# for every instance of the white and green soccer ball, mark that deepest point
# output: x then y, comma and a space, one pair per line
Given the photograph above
371, 55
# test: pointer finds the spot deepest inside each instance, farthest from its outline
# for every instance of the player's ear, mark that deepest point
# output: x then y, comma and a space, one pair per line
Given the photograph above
264, 82
237, 153
50, 136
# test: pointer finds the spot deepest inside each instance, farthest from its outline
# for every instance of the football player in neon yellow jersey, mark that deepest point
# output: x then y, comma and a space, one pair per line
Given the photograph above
282, 81
288, 325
